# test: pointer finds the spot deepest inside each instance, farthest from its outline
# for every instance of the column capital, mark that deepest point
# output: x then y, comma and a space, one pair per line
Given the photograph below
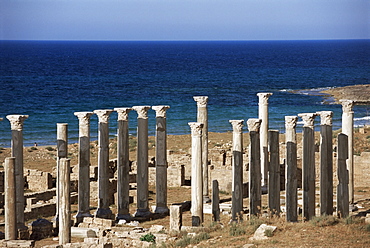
84, 117
160, 111
308, 119
122, 113
326, 117
254, 124
291, 122
196, 128
201, 100
142, 111
16, 121
103, 114
263, 98
237, 125
347, 105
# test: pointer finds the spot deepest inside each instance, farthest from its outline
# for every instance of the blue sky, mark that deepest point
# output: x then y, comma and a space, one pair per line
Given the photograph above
184, 19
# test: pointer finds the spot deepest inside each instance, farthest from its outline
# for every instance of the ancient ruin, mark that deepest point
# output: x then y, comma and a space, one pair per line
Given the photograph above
267, 165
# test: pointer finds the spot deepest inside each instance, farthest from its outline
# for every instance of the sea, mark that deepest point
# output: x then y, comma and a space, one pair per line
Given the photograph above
50, 80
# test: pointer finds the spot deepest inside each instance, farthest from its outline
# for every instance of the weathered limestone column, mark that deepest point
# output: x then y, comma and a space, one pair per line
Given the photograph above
16, 123
103, 210
326, 163
342, 171
263, 115
215, 201
202, 117
142, 161
62, 152
161, 160
10, 199
65, 204
308, 165
274, 173
254, 167
237, 170
83, 166
347, 129
123, 165
196, 174
291, 168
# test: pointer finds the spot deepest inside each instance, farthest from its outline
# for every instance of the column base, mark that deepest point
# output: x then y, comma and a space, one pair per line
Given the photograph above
142, 213
79, 217
104, 213
127, 217
162, 210
206, 199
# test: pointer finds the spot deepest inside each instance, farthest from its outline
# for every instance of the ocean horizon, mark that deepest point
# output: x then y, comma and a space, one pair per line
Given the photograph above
50, 80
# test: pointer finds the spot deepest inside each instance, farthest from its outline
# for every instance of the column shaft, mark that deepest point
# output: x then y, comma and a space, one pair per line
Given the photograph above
347, 129
123, 165
142, 162
264, 116
254, 167
215, 201
10, 200
308, 165
83, 165
103, 210
65, 205
326, 163
161, 160
196, 174
343, 180
62, 152
291, 168
274, 173
237, 170
16, 122
202, 117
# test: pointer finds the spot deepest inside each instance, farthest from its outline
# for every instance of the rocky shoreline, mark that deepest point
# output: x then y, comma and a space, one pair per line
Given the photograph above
358, 93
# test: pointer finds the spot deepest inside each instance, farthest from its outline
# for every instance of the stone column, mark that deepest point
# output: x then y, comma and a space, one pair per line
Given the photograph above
103, 210
291, 168
16, 123
142, 161
215, 201
274, 173
62, 152
263, 115
254, 167
161, 160
10, 199
196, 174
202, 117
308, 165
347, 129
342, 171
237, 170
123, 165
326, 163
64, 205
83, 166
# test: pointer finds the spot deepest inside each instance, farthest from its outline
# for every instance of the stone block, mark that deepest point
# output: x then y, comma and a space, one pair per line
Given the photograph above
175, 218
